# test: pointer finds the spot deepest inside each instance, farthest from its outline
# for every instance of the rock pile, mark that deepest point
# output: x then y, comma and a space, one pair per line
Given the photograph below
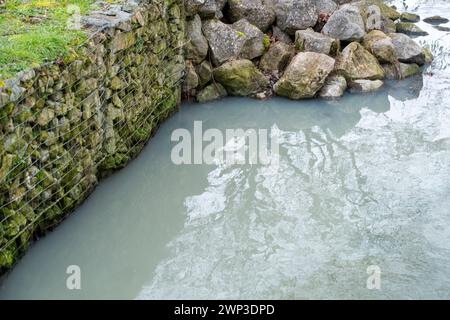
297, 48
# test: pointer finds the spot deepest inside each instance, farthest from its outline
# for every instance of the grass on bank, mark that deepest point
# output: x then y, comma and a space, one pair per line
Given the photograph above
35, 31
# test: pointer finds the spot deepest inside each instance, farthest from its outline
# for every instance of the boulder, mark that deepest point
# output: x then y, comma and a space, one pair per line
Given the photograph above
254, 41
355, 63
346, 24
193, 6
436, 20
260, 13
240, 78
224, 41
386, 25
406, 49
385, 10
309, 40
334, 87
363, 85
214, 91
204, 72
409, 17
191, 80
239, 40
326, 7
280, 35
295, 15
400, 71
197, 47
205, 8
277, 57
410, 29
208, 10
380, 45
305, 75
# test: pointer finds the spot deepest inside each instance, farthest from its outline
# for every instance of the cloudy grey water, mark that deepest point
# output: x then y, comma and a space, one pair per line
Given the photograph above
361, 181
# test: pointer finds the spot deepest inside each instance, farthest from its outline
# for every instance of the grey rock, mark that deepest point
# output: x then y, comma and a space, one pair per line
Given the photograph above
363, 85
240, 78
309, 40
409, 17
293, 15
400, 71
380, 45
305, 75
214, 91
224, 41
355, 62
197, 47
346, 23
410, 29
326, 7
334, 87
280, 35
277, 57
436, 20
191, 81
260, 13
254, 41
406, 49
204, 72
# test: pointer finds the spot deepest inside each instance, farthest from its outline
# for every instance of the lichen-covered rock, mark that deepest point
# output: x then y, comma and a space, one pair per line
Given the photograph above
277, 57
385, 10
197, 46
240, 78
355, 62
386, 25
305, 75
260, 13
192, 7
204, 72
224, 41
208, 9
326, 7
280, 35
346, 24
254, 41
363, 85
401, 70
191, 80
406, 49
380, 45
409, 17
309, 40
410, 29
295, 15
214, 91
334, 87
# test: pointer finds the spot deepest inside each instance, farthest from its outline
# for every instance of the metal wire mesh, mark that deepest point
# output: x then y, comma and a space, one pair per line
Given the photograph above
110, 127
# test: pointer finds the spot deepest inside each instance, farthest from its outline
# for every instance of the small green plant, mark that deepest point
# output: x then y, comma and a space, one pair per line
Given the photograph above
266, 42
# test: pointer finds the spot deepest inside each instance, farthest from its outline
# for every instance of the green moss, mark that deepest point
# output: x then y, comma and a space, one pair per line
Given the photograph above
266, 41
